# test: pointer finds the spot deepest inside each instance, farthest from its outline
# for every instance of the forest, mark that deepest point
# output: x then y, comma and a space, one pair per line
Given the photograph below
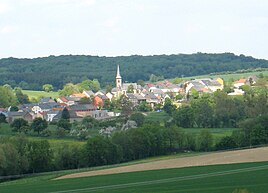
32, 74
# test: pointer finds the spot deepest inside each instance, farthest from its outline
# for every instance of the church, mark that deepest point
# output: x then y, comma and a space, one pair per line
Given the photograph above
124, 88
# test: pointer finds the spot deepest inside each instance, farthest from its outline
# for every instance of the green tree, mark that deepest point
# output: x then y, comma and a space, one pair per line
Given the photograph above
39, 125
168, 106
100, 151
39, 155
68, 89
2, 118
65, 114
19, 125
7, 97
48, 87
205, 140
138, 118
183, 117
130, 89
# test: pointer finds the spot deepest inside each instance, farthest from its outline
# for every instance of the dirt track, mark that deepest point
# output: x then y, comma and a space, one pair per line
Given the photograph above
239, 156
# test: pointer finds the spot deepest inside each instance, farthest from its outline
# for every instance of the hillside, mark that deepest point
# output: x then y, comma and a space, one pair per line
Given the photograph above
59, 70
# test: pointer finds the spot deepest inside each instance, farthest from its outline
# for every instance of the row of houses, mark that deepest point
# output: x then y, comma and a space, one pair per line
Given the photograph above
51, 110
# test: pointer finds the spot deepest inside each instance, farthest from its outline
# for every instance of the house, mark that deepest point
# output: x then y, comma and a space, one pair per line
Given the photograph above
98, 102
132, 98
73, 116
240, 82
237, 92
88, 93
50, 115
43, 107
47, 100
11, 116
109, 96
78, 95
99, 114
82, 110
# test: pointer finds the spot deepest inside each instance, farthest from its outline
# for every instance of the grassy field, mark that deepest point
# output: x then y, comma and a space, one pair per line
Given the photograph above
157, 116
234, 178
226, 77
40, 94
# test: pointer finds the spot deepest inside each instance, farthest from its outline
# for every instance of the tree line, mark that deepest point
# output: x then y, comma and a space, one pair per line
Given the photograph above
60, 70
218, 110
19, 155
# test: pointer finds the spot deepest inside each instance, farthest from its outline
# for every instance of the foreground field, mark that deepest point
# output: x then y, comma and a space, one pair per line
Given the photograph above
234, 178
228, 157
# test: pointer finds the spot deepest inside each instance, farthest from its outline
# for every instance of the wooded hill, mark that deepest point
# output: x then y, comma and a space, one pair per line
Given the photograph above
59, 70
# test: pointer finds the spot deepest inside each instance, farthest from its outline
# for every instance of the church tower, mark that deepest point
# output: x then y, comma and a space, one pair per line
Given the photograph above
118, 80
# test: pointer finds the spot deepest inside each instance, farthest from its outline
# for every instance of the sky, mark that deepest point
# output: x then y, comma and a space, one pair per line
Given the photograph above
37, 28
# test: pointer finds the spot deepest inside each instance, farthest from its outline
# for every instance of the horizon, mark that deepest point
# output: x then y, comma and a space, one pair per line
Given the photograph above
21, 58
31, 29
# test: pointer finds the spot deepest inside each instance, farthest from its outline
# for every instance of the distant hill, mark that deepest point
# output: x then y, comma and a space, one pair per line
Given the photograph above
59, 70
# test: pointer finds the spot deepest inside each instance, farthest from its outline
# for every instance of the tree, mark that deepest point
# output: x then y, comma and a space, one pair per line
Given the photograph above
205, 140
100, 151
7, 97
39, 125
2, 118
168, 106
39, 155
126, 106
64, 123
19, 125
87, 84
65, 114
138, 118
48, 87
183, 117
227, 142
22, 98
130, 89
68, 89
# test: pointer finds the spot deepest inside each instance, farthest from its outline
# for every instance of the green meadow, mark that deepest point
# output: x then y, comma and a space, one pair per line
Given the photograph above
234, 178
227, 77
40, 94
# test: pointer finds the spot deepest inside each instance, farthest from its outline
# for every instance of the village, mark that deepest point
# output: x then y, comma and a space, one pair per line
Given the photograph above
152, 95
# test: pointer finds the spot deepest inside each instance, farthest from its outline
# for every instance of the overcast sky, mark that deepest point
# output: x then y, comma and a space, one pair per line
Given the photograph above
35, 28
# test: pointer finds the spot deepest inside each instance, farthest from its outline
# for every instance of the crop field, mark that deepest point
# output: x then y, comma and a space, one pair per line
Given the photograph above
234, 178
40, 94
227, 77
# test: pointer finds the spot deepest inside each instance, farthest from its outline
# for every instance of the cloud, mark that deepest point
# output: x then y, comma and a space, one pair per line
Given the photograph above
111, 22
89, 2
7, 29
3, 8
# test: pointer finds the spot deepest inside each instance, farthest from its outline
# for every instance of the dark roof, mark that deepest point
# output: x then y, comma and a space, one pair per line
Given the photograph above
82, 107
45, 100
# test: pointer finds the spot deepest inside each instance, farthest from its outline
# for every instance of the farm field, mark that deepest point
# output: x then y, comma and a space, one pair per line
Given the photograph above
40, 94
205, 179
227, 77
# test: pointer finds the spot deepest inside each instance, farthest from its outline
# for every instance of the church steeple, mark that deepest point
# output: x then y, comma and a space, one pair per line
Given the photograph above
118, 72
118, 79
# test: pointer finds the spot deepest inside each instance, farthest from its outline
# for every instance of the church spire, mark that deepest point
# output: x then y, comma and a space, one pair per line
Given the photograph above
118, 72
118, 80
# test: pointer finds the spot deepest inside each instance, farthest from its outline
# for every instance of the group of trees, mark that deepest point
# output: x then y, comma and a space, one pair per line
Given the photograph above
26, 73
87, 84
12, 97
22, 126
219, 109
19, 155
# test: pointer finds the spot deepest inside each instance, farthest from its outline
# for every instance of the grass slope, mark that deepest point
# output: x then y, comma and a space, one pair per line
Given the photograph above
227, 77
40, 94
250, 177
